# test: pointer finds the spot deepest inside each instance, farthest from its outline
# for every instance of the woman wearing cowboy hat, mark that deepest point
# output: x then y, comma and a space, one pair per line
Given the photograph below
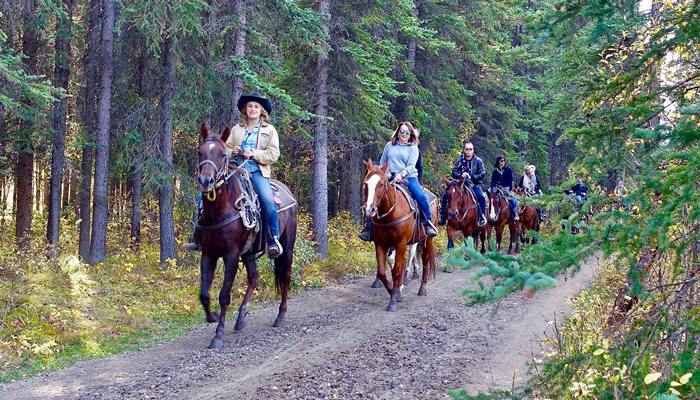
256, 144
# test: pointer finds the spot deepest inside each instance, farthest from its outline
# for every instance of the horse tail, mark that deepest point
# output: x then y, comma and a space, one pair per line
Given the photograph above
432, 260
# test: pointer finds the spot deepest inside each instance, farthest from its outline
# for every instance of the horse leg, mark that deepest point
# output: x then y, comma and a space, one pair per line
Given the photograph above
450, 237
499, 236
230, 269
252, 277
514, 237
207, 268
380, 253
397, 276
413, 260
283, 279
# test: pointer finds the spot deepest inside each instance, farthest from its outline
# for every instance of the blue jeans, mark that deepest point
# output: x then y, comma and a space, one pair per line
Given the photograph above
511, 199
267, 201
419, 195
480, 197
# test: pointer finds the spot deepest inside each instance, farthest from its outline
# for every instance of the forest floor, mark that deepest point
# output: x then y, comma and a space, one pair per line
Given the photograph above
339, 342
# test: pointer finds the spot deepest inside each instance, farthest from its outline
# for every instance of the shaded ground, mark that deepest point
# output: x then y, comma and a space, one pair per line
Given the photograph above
338, 343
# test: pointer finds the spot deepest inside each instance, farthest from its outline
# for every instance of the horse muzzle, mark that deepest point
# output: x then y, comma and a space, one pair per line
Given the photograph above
370, 212
205, 183
452, 214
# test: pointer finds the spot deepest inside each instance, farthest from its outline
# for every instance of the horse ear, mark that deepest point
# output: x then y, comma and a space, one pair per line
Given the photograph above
203, 130
447, 181
461, 182
385, 167
367, 163
226, 134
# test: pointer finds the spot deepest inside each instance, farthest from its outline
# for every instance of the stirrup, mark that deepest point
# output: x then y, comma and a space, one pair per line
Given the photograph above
274, 250
481, 222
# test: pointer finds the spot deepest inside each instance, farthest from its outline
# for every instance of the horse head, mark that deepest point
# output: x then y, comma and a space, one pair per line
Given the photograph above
454, 196
376, 185
213, 163
496, 200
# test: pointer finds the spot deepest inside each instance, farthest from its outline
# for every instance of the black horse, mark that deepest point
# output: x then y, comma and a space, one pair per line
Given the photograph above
230, 224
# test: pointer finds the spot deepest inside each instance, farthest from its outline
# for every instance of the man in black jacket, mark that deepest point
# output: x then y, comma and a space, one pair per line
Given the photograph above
471, 168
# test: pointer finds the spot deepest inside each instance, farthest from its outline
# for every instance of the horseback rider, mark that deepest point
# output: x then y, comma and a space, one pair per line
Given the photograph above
529, 181
531, 184
402, 154
580, 192
471, 168
255, 144
503, 176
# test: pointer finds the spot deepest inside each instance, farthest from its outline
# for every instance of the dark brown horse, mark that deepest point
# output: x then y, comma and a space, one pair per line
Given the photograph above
529, 219
226, 225
462, 214
498, 216
393, 224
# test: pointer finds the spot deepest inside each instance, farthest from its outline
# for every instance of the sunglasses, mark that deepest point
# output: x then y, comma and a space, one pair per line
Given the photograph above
403, 132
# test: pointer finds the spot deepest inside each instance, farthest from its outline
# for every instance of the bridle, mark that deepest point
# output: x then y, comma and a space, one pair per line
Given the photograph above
221, 175
385, 191
462, 195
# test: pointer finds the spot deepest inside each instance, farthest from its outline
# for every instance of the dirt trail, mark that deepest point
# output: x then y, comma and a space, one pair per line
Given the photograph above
339, 342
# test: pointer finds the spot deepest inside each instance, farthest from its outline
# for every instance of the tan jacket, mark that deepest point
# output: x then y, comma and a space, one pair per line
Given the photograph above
266, 152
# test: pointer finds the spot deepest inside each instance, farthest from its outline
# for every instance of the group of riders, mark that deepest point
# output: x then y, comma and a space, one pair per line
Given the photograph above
254, 146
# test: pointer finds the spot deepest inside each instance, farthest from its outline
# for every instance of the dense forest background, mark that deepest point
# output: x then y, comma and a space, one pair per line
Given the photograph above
101, 100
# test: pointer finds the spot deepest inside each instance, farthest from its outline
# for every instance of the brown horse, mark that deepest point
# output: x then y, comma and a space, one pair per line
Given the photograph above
227, 225
529, 219
462, 214
498, 216
393, 223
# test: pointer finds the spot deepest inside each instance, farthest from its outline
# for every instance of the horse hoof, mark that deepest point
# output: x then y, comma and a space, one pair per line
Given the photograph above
415, 275
240, 325
448, 270
391, 308
214, 317
216, 343
377, 283
279, 322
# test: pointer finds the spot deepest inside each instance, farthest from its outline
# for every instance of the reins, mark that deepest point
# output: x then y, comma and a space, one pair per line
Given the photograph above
385, 192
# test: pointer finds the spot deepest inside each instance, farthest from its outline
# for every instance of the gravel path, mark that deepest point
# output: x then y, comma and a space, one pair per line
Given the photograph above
339, 342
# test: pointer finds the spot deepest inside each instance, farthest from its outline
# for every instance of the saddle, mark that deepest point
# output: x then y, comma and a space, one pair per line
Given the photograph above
250, 211
418, 235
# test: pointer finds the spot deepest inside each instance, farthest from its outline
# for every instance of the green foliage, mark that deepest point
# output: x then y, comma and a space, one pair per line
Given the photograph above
59, 312
23, 95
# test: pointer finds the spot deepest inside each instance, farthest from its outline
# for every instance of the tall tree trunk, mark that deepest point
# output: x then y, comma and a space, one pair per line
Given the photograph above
58, 157
98, 242
167, 225
138, 168
355, 178
320, 182
238, 51
25, 157
85, 191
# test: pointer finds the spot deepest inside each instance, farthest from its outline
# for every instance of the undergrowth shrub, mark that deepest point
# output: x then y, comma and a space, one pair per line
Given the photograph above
56, 312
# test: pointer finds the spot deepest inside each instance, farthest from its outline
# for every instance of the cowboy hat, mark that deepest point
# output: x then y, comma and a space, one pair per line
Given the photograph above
256, 97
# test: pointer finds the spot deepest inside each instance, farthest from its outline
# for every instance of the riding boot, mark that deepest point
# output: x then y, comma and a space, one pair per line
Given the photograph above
430, 230
514, 214
194, 244
481, 219
366, 233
